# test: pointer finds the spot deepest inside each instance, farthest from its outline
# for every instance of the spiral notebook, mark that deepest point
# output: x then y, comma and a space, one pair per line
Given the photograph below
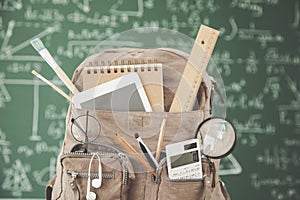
150, 74
125, 93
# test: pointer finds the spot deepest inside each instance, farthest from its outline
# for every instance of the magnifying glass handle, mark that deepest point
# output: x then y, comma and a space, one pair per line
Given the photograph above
213, 171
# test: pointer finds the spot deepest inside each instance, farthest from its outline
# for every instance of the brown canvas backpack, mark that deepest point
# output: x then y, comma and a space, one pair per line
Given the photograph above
123, 177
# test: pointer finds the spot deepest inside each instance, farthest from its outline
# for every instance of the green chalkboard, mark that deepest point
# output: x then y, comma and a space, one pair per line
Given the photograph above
257, 54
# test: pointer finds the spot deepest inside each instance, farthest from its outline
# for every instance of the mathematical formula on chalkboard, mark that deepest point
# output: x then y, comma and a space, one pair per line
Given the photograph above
257, 55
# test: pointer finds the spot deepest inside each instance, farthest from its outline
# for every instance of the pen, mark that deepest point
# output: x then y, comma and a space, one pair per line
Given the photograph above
130, 148
146, 151
160, 139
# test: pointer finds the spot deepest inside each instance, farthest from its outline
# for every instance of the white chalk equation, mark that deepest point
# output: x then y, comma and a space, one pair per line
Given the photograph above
82, 49
83, 5
137, 11
230, 166
250, 130
279, 187
289, 114
16, 179
4, 94
185, 7
11, 5
256, 8
279, 158
9, 51
44, 175
5, 97
5, 148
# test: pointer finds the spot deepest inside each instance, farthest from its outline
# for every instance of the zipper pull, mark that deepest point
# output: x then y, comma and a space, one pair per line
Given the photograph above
213, 171
73, 177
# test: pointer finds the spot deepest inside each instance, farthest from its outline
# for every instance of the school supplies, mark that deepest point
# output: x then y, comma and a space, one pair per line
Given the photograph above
41, 49
160, 139
219, 137
136, 154
196, 64
124, 174
146, 151
184, 160
125, 93
51, 85
150, 74
85, 128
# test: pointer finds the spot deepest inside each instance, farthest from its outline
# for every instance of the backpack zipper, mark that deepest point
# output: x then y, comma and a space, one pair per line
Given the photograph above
75, 174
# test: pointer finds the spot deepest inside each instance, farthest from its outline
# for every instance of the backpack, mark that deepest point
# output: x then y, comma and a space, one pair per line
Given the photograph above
123, 177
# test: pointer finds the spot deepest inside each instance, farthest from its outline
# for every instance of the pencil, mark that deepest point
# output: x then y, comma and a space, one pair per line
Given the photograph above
160, 139
52, 85
137, 155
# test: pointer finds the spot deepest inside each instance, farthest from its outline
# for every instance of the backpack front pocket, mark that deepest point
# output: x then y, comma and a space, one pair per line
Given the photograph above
80, 169
178, 189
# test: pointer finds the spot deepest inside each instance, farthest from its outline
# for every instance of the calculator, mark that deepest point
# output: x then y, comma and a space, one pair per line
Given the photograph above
184, 160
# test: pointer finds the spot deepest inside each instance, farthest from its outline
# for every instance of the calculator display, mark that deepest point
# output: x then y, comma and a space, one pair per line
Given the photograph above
184, 159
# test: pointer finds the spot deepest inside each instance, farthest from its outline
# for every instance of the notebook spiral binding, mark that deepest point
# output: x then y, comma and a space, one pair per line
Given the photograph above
122, 66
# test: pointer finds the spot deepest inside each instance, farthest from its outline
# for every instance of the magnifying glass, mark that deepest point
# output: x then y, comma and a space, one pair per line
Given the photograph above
218, 137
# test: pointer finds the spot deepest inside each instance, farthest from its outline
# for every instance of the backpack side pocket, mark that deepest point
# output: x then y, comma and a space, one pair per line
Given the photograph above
49, 188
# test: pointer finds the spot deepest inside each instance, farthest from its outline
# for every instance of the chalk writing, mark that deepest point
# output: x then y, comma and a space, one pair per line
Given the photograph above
258, 182
16, 180
96, 19
52, 113
4, 94
43, 176
4, 147
242, 101
289, 114
116, 8
60, 2
7, 51
257, 55
11, 5
274, 57
228, 36
83, 4
25, 150
43, 147
56, 129
26, 67
256, 8
273, 185
260, 35
279, 157
48, 15
229, 166
254, 125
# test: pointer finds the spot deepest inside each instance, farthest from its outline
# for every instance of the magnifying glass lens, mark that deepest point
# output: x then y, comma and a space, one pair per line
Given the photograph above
219, 137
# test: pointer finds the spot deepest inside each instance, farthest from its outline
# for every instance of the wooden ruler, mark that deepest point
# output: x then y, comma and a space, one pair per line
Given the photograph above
197, 62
